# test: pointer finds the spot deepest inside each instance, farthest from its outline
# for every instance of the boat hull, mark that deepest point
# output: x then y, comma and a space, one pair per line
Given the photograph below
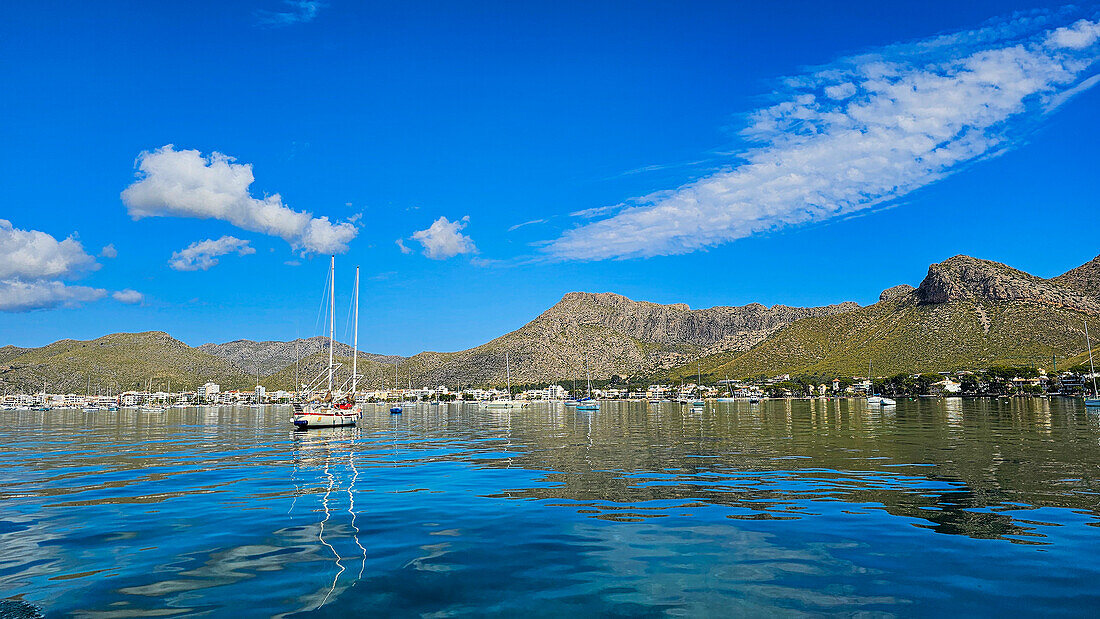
334, 419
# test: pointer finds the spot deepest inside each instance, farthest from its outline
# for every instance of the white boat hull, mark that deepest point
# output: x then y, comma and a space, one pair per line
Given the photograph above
333, 418
506, 404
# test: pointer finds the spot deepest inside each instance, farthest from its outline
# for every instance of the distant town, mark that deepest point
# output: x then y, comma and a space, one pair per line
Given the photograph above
997, 381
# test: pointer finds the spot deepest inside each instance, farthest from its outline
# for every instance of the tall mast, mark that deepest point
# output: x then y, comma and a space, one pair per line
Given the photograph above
355, 340
508, 372
331, 315
587, 374
1092, 368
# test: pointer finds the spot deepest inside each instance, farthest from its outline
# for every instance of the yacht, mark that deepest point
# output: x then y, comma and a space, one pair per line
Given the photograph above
333, 409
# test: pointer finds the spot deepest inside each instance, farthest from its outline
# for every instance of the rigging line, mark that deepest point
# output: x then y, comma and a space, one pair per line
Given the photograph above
347, 324
321, 308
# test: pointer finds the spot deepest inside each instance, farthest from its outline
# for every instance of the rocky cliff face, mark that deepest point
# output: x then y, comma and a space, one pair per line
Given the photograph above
1084, 279
964, 278
611, 334
676, 323
266, 358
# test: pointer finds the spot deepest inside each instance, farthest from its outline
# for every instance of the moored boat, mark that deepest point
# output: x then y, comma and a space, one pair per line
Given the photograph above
333, 409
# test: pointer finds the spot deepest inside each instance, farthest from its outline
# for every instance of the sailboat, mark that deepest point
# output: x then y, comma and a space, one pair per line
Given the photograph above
396, 408
327, 411
729, 386
698, 402
874, 398
1094, 401
509, 402
587, 403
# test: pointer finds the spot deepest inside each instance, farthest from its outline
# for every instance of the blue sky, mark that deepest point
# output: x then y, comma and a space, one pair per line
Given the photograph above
660, 117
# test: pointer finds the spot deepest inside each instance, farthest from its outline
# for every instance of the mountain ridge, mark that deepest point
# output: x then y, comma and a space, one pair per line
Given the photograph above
964, 313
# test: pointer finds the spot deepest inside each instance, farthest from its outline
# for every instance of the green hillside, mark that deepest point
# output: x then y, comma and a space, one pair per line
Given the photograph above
119, 361
903, 336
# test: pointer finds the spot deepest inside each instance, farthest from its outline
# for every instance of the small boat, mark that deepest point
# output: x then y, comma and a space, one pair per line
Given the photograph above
507, 402
395, 410
587, 403
754, 400
874, 398
570, 402
152, 409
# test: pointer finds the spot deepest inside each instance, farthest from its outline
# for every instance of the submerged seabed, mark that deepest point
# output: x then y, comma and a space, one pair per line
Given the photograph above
781, 508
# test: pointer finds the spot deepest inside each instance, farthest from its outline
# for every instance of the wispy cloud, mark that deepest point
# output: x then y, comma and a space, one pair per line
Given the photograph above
184, 183
108, 251
295, 12
860, 133
444, 239
201, 255
526, 223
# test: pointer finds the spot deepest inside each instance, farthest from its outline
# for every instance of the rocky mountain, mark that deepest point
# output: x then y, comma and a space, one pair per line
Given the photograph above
1084, 279
964, 278
966, 313
618, 336
266, 358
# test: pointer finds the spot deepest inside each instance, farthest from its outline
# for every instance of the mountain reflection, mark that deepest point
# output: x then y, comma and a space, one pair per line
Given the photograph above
960, 467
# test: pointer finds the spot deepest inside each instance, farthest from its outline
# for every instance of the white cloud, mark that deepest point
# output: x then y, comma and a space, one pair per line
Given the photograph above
184, 183
443, 239
128, 296
298, 12
31, 254
201, 255
24, 296
109, 251
858, 134
404, 248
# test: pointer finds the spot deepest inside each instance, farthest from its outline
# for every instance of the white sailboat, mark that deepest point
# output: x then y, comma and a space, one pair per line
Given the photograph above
328, 412
587, 403
509, 402
1094, 401
875, 398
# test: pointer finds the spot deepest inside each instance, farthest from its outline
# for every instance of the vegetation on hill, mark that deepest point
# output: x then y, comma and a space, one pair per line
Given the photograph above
116, 362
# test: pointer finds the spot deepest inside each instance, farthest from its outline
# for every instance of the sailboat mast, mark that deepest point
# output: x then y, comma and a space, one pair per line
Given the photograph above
332, 315
355, 339
588, 374
508, 373
1092, 368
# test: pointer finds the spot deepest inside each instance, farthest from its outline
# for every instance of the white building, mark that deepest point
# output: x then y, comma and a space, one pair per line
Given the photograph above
209, 390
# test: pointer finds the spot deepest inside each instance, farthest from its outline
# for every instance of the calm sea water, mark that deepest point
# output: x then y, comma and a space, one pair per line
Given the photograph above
782, 508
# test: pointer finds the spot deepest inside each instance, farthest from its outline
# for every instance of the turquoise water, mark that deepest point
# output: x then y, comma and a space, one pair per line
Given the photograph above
978, 507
